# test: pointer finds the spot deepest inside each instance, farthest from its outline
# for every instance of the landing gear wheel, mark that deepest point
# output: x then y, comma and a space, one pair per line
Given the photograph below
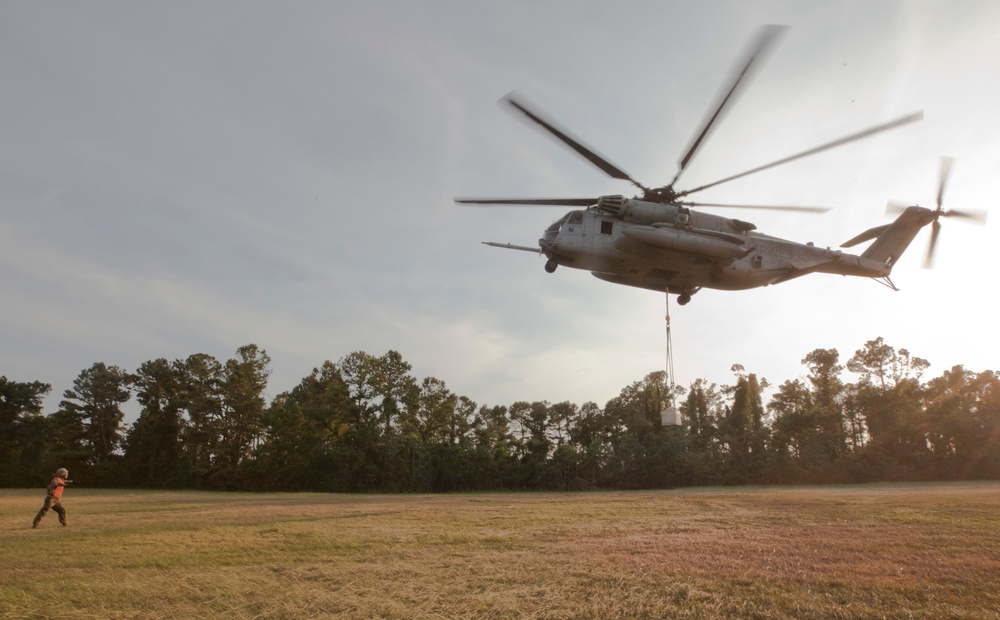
683, 299
551, 265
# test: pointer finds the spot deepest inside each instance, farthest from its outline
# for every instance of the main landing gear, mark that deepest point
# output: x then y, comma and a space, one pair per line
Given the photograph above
685, 295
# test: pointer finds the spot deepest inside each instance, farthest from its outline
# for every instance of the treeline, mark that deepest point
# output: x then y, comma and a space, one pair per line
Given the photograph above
365, 423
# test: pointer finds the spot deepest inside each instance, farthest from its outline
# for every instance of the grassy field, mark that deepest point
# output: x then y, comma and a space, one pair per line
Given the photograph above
902, 551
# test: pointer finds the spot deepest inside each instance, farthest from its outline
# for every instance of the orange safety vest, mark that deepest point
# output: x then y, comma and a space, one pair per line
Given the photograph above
56, 487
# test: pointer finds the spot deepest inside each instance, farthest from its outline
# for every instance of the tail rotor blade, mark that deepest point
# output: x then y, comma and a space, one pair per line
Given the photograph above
976, 216
894, 207
939, 212
929, 259
946, 163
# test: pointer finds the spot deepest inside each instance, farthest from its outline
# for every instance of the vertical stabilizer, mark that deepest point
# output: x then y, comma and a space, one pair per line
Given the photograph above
892, 240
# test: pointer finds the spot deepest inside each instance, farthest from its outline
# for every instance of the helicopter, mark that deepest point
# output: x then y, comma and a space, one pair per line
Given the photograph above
656, 240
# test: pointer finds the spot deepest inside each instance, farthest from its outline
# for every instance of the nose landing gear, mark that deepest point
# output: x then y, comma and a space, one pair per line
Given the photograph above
550, 266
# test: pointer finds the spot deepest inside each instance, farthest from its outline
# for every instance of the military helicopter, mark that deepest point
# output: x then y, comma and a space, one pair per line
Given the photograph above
656, 241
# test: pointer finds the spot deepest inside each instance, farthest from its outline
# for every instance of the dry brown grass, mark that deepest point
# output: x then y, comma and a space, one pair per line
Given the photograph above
926, 551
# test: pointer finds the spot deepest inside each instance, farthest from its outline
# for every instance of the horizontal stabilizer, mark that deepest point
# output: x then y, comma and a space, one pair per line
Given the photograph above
868, 235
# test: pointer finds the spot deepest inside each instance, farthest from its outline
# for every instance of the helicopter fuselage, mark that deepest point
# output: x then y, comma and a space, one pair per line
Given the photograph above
669, 247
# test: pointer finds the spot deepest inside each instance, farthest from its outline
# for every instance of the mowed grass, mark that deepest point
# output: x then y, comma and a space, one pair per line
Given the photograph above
899, 551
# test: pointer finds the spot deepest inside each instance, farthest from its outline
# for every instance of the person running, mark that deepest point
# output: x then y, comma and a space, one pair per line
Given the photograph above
59, 481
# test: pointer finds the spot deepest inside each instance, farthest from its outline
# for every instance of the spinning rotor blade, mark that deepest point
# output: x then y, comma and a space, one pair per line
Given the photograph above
610, 169
894, 207
976, 216
799, 209
871, 131
980, 217
542, 202
946, 163
929, 258
765, 39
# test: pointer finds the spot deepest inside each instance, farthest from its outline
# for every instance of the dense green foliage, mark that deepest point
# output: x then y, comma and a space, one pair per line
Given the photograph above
365, 423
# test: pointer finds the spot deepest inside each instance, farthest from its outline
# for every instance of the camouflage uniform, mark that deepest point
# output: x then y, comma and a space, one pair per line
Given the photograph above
55, 492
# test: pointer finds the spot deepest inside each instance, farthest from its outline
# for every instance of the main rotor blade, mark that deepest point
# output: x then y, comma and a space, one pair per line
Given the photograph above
542, 202
946, 163
800, 209
871, 131
929, 259
610, 169
765, 39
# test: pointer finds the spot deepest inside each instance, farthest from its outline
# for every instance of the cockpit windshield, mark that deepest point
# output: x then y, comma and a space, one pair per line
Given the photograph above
573, 217
554, 226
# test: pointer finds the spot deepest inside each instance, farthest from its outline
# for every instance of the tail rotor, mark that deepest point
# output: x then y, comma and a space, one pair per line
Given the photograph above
976, 216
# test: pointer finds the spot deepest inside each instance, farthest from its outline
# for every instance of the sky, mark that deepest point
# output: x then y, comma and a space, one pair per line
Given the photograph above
189, 177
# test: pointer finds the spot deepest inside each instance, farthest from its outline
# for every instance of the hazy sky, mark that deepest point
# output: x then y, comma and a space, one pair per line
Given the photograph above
190, 177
